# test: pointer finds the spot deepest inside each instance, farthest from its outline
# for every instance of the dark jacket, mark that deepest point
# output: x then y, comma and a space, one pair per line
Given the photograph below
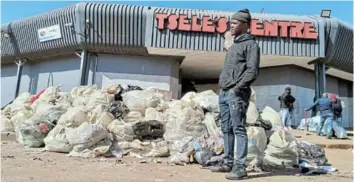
325, 106
337, 108
286, 101
241, 65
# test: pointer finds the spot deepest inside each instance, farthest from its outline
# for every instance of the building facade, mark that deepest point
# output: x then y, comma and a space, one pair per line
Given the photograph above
92, 43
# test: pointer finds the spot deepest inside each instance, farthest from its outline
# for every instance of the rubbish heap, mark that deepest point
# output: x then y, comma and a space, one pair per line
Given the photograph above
118, 121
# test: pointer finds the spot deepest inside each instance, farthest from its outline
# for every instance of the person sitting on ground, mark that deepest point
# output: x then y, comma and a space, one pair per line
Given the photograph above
286, 107
326, 112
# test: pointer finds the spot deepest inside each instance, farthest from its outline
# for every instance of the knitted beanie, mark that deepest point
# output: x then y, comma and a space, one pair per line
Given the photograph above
242, 15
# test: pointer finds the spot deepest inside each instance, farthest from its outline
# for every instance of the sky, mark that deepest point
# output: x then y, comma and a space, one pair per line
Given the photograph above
14, 10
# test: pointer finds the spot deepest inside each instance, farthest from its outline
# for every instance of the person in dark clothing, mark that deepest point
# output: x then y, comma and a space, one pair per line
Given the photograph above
337, 108
286, 107
240, 70
326, 112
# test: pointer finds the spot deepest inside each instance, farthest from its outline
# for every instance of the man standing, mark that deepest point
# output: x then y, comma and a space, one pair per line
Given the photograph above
326, 112
286, 107
240, 70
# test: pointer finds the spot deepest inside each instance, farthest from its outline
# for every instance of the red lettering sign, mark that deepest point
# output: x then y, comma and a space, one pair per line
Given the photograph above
275, 28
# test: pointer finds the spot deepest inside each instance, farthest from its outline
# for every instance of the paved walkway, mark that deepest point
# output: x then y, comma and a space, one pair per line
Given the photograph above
323, 142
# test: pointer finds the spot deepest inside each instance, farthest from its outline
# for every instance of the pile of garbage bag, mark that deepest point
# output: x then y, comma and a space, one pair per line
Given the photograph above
118, 121
311, 124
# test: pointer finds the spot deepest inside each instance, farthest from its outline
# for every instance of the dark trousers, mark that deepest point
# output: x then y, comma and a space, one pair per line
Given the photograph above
233, 109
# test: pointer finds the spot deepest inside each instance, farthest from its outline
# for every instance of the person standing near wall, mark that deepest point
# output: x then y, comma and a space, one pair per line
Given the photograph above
286, 107
240, 70
326, 112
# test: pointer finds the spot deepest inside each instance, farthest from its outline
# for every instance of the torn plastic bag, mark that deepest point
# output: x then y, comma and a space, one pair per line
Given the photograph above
32, 131
133, 116
86, 135
281, 151
56, 140
312, 154
208, 100
74, 117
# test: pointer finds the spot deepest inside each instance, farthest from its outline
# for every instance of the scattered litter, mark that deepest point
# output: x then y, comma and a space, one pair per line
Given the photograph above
147, 123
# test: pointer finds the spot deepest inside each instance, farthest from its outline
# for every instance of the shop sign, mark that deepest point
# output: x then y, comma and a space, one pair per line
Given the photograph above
276, 28
49, 33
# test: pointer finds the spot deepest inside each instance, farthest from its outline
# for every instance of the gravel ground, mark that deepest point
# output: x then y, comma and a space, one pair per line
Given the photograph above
21, 164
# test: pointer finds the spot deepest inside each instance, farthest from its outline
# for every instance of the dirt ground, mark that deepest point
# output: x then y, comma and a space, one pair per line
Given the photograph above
23, 164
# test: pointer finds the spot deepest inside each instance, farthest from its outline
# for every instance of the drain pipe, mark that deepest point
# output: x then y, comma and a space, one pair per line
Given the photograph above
324, 83
83, 66
20, 64
317, 80
94, 70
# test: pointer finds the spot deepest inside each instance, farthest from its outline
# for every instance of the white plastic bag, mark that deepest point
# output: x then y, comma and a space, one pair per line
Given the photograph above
153, 114
257, 142
281, 151
252, 113
99, 98
140, 100
122, 131
253, 97
208, 100
86, 135
133, 116
56, 140
271, 115
105, 119
74, 117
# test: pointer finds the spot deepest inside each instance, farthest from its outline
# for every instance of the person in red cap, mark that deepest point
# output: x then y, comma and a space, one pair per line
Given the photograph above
337, 108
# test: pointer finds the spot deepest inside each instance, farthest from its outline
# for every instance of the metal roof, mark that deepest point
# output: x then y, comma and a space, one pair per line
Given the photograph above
129, 29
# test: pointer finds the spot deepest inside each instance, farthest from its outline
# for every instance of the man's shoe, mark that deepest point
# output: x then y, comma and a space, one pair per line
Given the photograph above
237, 174
221, 169
328, 137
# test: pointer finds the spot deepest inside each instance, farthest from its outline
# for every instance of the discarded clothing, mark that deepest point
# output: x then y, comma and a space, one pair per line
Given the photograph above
152, 129
118, 109
311, 154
